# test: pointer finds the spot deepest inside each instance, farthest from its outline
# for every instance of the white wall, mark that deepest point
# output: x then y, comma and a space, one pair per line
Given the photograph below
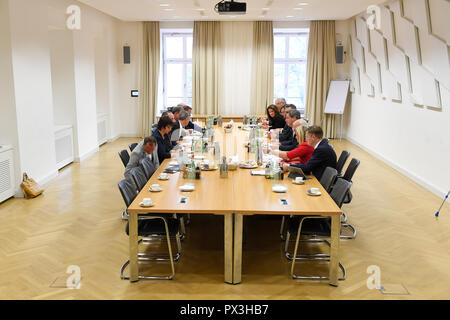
130, 34
8, 118
33, 88
63, 77
413, 138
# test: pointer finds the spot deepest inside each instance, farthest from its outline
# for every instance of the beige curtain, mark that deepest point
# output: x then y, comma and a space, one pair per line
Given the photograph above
207, 68
320, 71
149, 75
262, 67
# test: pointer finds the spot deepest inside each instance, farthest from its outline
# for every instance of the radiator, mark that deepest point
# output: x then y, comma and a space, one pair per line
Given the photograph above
102, 129
63, 146
7, 184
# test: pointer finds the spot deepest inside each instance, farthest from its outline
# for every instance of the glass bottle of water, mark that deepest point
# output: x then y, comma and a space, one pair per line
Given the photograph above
224, 168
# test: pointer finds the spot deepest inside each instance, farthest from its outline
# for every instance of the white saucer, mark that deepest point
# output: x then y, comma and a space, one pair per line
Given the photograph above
167, 178
155, 189
313, 194
173, 163
146, 206
279, 188
294, 182
199, 157
187, 188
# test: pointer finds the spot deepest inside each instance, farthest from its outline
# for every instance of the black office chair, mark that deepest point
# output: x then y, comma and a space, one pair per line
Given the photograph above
317, 227
327, 180
342, 160
132, 146
348, 176
125, 157
147, 167
150, 226
139, 177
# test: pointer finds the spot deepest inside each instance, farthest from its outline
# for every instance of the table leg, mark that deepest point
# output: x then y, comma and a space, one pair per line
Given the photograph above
133, 237
334, 254
228, 246
237, 259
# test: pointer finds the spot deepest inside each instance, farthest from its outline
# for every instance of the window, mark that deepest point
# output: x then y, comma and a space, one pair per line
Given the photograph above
291, 50
177, 68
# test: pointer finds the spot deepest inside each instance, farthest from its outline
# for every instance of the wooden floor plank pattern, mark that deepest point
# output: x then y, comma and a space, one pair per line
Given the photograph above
77, 222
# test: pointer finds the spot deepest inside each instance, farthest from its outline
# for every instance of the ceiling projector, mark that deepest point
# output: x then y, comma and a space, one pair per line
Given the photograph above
231, 7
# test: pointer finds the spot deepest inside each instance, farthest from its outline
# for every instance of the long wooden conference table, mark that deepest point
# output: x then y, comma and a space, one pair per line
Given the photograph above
233, 197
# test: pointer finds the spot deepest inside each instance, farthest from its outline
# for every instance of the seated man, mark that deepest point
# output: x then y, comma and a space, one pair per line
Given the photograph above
188, 109
287, 138
322, 157
178, 127
168, 114
146, 148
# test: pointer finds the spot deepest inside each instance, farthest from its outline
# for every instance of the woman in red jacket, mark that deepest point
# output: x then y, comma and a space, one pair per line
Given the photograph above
301, 154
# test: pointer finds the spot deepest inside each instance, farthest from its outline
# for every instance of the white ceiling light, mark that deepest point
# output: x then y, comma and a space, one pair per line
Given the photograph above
303, 3
163, 5
298, 8
168, 9
200, 9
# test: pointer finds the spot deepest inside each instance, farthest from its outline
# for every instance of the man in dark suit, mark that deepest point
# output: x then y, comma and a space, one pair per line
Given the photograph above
287, 138
178, 127
322, 157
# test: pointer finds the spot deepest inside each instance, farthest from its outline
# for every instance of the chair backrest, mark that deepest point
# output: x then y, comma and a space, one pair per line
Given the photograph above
353, 165
124, 156
328, 178
147, 167
139, 177
128, 191
340, 190
132, 146
342, 160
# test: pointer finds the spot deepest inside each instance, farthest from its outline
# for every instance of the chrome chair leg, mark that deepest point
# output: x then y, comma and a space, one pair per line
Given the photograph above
347, 225
124, 215
344, 217
282, 228
319, 256
158, 257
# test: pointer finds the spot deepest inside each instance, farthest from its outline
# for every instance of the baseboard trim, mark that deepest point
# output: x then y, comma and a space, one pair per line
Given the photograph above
433, 189
86, 155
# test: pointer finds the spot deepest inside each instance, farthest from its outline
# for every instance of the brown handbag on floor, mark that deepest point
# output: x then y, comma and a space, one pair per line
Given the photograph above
30, 187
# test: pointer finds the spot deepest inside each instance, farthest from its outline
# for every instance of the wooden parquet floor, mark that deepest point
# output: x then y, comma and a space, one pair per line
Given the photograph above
77, 222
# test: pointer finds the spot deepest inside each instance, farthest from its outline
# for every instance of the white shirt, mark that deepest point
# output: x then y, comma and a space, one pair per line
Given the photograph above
317, 144
149, 156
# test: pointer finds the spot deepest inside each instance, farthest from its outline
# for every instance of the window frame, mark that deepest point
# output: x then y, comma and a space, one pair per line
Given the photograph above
184, 61
286, 61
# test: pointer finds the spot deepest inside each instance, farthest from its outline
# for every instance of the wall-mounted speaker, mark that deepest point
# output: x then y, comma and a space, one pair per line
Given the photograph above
339, 54
126, 55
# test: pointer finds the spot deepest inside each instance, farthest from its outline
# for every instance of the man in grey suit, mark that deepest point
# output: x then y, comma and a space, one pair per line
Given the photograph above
145, 149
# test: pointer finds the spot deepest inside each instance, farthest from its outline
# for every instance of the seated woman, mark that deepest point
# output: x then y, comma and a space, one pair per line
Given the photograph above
301, 154
161, 133
275, 119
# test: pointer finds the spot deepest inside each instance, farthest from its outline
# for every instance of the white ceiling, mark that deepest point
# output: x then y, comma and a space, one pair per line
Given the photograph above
185, 10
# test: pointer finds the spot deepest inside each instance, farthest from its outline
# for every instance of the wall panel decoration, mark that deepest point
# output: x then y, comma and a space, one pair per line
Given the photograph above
408, 58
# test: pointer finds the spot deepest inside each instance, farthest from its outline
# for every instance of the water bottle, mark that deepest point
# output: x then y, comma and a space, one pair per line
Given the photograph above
224, 168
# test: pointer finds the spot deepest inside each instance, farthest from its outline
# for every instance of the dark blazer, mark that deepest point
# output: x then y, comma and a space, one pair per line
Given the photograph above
164, 145
322, 157
286, 134
277, 122
190, 126
289, 144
